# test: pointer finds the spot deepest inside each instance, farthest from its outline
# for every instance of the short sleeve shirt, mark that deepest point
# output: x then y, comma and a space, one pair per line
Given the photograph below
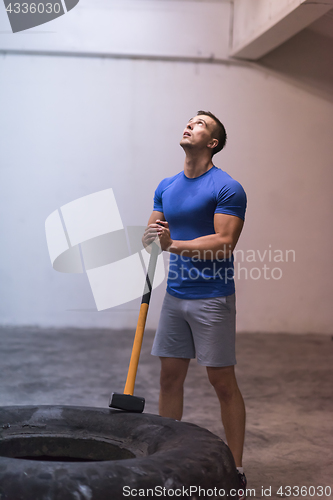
189, 205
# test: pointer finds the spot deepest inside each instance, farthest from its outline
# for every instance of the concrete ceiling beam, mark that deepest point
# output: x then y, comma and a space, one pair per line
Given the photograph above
260, 26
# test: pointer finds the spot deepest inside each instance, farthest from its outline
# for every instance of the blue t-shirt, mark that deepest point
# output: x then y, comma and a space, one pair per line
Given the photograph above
189, 206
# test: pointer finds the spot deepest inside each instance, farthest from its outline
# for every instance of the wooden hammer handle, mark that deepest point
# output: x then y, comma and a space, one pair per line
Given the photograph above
140, 328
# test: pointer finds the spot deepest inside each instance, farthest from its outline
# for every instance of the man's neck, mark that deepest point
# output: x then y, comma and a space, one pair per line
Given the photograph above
196, 166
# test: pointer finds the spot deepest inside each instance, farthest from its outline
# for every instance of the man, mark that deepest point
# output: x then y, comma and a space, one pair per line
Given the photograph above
198, 217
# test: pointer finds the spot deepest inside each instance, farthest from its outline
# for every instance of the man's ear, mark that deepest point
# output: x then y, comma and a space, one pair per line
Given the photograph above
213, 143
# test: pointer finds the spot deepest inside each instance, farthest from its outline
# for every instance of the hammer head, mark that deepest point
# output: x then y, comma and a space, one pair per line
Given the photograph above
127, 402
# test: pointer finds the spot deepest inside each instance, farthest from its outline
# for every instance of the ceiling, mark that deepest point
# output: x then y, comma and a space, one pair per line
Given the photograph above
324, 25
307, 57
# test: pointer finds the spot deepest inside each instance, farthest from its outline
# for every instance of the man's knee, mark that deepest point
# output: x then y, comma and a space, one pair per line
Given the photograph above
170, 381
173, 373
224, 381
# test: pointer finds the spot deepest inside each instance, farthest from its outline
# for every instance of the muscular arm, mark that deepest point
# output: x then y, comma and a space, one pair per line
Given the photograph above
219, 245
156, 216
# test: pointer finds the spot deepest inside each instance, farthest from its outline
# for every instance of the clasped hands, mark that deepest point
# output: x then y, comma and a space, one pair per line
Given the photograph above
159, 229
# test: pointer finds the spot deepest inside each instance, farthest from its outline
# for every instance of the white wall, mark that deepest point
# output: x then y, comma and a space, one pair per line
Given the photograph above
72, 126
130, 27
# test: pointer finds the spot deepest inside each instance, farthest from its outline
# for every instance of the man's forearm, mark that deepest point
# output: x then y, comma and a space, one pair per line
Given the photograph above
212, 246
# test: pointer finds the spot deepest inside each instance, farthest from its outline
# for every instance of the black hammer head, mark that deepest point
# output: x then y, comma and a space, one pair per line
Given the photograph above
127, 402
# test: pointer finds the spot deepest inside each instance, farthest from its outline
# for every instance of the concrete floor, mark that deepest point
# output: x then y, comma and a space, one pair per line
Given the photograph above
286, 381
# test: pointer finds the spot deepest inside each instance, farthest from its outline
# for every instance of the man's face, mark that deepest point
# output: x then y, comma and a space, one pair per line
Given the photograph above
198, 132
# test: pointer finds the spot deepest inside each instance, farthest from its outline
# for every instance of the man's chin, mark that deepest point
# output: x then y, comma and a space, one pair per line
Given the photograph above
184, 143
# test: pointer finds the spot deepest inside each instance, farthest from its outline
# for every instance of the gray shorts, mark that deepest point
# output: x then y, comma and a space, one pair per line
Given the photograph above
202, 328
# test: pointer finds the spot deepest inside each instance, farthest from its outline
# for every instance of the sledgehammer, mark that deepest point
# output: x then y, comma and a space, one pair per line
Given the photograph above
127, 401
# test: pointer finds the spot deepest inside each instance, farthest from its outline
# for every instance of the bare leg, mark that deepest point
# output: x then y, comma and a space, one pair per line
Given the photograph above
232, 408
173, 373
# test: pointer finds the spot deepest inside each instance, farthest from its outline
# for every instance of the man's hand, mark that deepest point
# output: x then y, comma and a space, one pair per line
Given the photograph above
163, 232
160, 230
150, 234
